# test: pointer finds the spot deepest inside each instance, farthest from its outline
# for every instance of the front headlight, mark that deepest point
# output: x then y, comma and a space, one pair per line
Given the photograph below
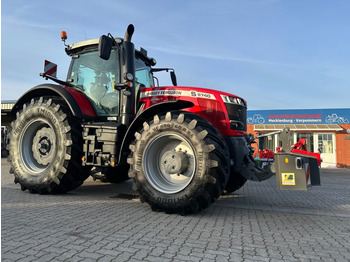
233, 100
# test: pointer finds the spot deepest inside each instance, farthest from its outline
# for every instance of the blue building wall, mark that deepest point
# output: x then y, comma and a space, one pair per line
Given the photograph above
299, 116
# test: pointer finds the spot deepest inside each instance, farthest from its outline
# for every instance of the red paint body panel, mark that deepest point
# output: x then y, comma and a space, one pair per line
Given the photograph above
207, 103
83, 102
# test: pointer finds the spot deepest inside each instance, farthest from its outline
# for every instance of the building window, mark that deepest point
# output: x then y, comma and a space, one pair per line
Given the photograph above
267, 142
325, 143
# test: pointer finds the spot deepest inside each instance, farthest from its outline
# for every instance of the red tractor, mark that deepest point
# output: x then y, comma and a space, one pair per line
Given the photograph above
182, 146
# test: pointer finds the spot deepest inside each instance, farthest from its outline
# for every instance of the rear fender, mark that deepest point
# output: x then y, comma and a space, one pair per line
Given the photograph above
77, 101
148, 113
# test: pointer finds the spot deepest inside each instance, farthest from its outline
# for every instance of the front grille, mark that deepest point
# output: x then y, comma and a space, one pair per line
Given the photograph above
238, 116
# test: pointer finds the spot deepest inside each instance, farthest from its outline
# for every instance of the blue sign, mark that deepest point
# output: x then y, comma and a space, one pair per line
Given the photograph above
299, 116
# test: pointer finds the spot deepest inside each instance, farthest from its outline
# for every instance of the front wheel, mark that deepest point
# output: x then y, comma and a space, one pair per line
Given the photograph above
179, 163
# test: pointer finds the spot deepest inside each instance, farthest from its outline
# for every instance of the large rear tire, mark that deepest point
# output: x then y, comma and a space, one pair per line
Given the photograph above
46, 148
179, 163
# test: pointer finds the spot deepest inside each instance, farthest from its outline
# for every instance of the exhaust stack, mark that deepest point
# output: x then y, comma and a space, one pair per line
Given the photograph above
129, 32
128, 68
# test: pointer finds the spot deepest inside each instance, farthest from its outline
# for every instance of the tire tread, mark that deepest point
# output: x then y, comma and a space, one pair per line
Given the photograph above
217, 165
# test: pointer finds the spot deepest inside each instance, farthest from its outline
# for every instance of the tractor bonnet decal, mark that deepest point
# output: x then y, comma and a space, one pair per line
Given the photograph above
170, 92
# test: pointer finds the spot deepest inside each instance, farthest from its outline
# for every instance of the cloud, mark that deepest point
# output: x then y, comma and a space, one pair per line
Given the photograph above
317, 69
23, 23
216, 57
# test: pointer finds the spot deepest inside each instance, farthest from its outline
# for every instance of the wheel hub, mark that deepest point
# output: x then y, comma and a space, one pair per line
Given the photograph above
174, 163
44, 146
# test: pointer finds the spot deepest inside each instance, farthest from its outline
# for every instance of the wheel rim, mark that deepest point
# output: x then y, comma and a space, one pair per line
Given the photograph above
169, 163
37, 145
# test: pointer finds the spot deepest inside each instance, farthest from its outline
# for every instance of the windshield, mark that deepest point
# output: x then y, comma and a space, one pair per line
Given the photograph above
143, 74
96, 78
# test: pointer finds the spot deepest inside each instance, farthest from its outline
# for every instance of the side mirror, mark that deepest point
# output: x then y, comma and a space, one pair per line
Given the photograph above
173, 78
105, 47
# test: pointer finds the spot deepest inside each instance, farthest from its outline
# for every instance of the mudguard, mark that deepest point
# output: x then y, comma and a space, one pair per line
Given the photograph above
77, 101
137, 123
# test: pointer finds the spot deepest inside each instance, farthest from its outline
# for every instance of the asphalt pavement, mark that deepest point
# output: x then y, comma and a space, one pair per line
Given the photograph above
107, 222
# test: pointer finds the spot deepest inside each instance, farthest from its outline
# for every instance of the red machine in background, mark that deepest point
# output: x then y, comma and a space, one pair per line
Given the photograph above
295, 167
299, 147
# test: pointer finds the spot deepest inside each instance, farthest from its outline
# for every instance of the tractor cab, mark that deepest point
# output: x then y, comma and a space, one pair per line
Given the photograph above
103, 80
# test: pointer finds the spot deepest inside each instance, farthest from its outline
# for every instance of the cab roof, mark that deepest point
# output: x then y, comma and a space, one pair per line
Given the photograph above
92, 43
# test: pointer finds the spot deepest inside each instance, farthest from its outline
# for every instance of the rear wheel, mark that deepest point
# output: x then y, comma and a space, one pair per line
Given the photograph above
46, 148
179, 163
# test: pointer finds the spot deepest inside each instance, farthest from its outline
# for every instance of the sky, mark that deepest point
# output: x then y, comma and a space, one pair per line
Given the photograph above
276, 54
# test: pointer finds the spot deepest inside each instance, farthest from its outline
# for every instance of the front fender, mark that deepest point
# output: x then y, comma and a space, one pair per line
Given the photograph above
148, 113
77, 102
